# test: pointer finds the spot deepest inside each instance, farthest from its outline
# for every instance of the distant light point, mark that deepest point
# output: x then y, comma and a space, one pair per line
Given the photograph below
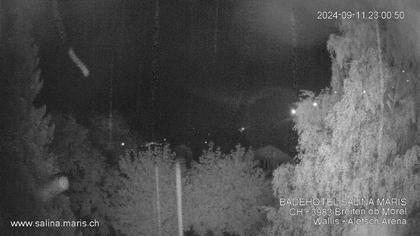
403, 71
242, 129
407, 80
335, 92
315, 104
293, 111
123, 144
364, 91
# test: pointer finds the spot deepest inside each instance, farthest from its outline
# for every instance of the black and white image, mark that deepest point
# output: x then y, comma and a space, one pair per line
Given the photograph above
210, 117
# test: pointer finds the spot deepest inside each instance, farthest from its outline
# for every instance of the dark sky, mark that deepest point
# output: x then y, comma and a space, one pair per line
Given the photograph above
114, 39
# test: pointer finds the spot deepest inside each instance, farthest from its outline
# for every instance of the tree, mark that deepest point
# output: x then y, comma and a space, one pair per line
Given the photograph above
155, 80
224, 193
78, 158
358, 141
134, 201
123, 138
28, 165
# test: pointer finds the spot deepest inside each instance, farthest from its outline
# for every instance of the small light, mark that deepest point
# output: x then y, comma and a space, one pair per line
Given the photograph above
205, 142
407, 80
123, 144
403, 71
315, 104
335, 92
364, 91
293, 111
242, 129
63, 183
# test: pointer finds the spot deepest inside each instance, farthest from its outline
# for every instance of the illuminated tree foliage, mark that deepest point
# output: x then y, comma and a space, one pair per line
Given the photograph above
361, 140
224, 193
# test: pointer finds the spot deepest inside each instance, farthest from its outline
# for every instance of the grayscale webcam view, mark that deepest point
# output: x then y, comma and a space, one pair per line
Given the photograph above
210, 117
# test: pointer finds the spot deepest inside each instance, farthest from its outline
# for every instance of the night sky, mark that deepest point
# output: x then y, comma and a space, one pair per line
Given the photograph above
196, 87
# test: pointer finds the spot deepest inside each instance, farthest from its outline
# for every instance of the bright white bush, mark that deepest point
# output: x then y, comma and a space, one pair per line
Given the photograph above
224, 193
361, 139
134, 202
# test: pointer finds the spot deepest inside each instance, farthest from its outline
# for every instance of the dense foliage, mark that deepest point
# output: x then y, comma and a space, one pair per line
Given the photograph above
360, 141
27, 162
222, 193
133, 202
111, 133
87, 168
225, 193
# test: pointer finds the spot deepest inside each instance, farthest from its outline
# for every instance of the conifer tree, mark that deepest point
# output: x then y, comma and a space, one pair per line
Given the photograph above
360, 141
